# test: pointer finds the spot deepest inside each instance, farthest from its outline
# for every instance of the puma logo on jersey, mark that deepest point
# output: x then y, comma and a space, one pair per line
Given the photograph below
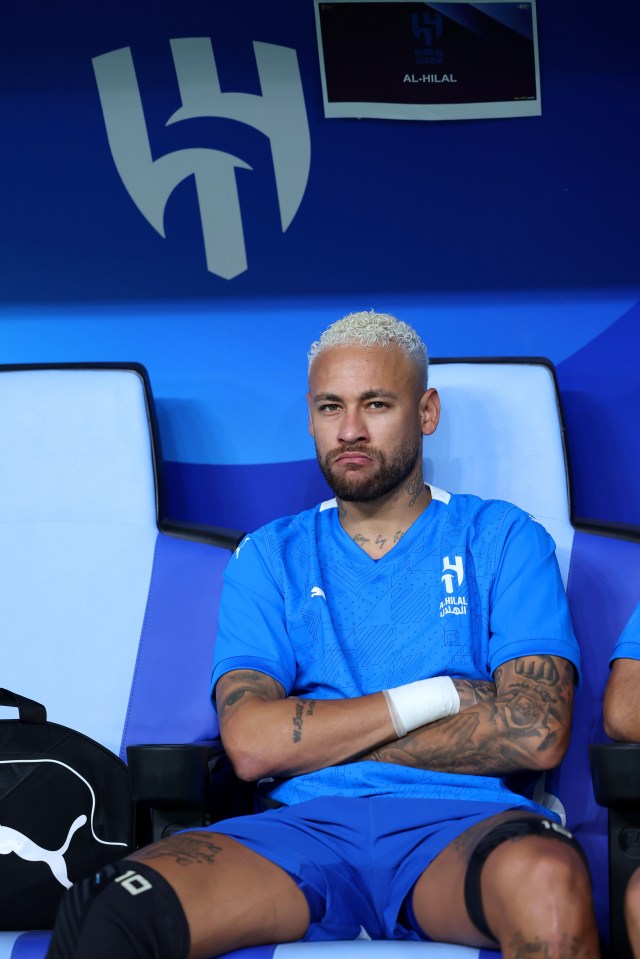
243, 543
316, 591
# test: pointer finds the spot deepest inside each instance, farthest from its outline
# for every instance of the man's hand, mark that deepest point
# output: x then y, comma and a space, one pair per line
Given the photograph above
525, 726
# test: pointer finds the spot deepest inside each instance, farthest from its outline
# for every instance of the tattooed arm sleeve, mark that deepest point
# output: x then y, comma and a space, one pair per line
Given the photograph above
266, 733
525, 727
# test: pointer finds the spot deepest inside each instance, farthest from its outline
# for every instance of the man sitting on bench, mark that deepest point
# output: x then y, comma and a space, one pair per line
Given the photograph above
384, 662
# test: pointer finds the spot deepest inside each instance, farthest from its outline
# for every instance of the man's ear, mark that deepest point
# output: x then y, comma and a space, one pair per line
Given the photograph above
310, 420
429, 411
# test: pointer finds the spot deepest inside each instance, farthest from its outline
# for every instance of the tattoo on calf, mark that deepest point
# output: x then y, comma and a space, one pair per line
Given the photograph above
186, 849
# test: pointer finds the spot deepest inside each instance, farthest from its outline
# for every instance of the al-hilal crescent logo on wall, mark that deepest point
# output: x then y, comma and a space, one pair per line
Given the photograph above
278, 112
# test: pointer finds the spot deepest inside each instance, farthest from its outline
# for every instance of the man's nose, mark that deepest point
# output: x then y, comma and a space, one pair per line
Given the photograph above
353, 428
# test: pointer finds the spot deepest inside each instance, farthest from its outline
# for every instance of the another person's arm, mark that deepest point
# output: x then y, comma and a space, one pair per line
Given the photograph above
621, 711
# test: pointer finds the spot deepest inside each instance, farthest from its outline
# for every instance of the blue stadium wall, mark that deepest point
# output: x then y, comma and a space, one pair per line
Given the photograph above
187, 205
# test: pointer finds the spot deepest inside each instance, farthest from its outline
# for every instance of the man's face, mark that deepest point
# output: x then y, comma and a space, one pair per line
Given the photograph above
367, 414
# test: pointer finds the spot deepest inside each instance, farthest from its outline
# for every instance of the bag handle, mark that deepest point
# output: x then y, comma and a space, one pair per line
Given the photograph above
28, 709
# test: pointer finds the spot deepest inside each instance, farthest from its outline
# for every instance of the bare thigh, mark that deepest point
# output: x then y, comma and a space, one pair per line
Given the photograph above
232, 897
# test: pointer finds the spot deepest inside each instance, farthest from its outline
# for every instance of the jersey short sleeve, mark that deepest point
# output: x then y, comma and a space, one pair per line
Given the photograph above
628, 645
529, 614
252, 632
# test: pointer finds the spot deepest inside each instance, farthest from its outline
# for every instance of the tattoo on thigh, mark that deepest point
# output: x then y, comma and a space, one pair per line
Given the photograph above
523, 948
186, 849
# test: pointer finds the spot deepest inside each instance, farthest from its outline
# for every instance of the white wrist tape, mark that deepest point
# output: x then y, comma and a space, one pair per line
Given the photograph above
422, 702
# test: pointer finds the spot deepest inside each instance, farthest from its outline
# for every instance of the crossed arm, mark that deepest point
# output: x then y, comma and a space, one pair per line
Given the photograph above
522, 722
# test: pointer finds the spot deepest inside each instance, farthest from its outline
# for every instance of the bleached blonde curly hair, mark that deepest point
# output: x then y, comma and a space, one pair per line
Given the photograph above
368, 329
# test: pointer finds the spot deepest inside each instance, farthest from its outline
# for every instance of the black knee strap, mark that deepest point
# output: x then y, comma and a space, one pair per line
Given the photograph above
125, 910
495, 837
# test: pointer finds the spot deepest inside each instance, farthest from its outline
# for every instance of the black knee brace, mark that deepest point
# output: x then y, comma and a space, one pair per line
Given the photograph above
126, 910
496, 836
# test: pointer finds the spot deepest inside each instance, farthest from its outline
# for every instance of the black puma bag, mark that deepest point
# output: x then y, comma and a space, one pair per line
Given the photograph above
65, 811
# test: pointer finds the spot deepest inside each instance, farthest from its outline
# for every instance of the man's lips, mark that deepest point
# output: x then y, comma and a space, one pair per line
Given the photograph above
359, 458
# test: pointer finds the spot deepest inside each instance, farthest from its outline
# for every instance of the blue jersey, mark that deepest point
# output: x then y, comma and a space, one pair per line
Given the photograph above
470, 585
628, 645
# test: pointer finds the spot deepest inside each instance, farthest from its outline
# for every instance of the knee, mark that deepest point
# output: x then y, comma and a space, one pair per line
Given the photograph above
538, 884
555, 871
126, 910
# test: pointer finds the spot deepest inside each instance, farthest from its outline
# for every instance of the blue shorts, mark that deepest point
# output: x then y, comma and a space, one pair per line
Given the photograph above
357, 859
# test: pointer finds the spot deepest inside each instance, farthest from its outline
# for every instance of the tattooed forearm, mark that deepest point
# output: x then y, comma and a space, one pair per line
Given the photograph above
473, 691
185, 849
523, 726
297, 722
298, 716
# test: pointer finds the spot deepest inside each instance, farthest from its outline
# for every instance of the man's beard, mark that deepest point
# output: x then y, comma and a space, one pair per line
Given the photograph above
390, 474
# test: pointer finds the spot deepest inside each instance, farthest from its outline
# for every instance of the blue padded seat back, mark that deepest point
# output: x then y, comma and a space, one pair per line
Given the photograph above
77, 539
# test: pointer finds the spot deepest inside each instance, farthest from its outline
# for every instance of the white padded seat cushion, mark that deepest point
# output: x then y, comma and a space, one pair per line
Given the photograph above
78, 522
500, 437
74, 446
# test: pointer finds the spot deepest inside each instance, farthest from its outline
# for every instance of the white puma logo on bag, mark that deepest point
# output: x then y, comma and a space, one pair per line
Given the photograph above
13, 841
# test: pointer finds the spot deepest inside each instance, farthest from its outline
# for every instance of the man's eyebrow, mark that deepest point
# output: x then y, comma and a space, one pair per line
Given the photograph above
367, 395
377, 394
326, 398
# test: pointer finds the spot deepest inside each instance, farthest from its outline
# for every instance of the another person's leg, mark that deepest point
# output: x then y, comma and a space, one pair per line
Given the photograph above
632, 912
529, 892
